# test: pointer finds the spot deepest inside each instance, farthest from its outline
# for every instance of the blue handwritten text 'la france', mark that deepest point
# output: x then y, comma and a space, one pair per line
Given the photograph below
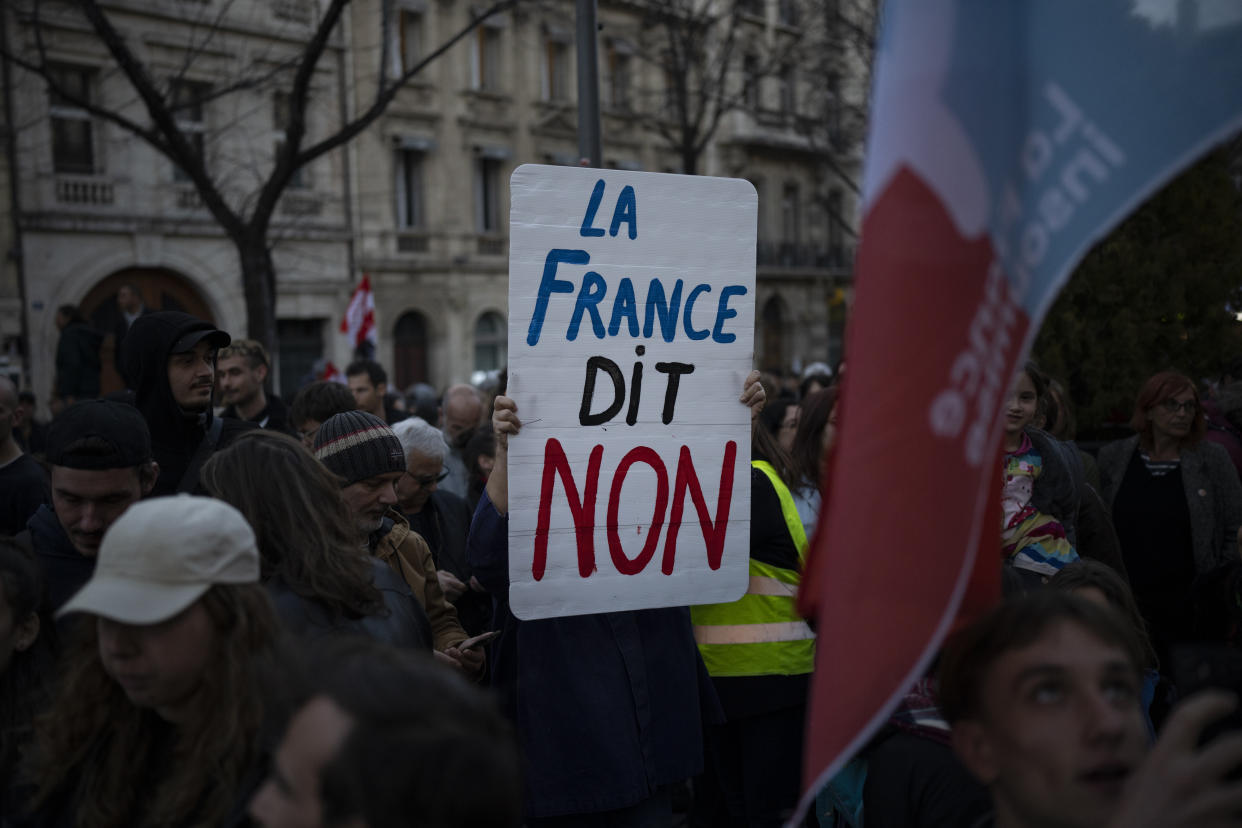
661, 304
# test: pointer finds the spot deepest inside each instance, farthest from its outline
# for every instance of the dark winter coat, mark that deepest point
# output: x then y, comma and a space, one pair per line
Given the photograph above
444, 523
401, 623
1061, 491
120, 330
65, 569
1213, 495
1058, 489
175, 433
273, 417
77, 361
608, 707
23, 489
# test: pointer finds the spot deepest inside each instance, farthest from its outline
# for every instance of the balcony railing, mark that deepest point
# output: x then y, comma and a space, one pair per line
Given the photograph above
791, 254
84, 191
492, 245
297, 204
189, 199
413, 243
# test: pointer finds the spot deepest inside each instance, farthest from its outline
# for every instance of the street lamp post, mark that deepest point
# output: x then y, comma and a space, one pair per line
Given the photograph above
588, 83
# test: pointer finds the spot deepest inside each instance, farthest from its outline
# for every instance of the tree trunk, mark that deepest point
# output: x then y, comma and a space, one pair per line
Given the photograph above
259, 286
689, 159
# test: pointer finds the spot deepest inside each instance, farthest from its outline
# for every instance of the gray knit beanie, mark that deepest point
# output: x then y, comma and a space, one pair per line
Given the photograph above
356, 446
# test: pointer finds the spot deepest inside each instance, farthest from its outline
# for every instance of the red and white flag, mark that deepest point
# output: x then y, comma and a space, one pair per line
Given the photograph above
359, 321
1006, 139
331, 373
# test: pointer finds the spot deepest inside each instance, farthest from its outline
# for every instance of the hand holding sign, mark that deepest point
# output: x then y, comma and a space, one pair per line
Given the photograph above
622, 283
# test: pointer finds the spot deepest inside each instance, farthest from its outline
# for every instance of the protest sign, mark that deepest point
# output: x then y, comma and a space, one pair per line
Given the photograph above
631, 322
1006, 138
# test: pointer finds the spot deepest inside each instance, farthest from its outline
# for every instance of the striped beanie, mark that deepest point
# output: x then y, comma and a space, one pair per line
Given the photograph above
356, 446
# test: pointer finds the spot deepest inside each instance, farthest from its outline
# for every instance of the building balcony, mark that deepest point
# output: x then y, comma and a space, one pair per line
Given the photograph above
830, 257
301, 204
413, 241
84, 191
492, 245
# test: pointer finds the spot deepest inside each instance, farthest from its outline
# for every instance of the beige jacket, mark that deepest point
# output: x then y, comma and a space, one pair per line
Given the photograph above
410, 556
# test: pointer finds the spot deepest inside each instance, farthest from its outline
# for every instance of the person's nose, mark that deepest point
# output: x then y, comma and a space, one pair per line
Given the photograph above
91, 519
117, 640
1105, 718
388, 494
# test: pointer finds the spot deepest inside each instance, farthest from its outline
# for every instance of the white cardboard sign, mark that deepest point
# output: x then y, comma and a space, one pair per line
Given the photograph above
631, 331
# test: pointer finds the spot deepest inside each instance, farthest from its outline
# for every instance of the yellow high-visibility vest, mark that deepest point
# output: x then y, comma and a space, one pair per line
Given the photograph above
761, 633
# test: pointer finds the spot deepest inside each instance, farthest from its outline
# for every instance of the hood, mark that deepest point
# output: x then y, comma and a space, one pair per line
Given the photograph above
49, 536
144, 367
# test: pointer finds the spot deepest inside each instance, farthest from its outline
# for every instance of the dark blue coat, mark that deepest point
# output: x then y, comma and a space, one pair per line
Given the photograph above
608, 707
401, 622
65, 569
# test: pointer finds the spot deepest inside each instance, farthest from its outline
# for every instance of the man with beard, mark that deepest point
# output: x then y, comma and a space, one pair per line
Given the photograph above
362, 450
100, 455
460, 414
241, 374
169, 362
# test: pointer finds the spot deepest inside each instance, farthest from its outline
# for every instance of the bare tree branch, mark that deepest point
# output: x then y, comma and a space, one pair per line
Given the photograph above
383, 97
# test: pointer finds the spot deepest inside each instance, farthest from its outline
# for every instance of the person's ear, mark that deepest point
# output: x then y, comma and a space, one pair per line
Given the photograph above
973, 745
381, 389
149, 476
27, 632
262, 372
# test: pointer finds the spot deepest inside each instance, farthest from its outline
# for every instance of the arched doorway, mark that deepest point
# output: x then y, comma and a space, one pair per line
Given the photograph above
161, 290
772, 336
409, 350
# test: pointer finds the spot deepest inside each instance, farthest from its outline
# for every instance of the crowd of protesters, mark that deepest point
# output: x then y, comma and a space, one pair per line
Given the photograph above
217, 608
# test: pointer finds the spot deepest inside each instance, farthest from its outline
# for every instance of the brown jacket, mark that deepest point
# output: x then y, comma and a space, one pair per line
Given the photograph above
410, 556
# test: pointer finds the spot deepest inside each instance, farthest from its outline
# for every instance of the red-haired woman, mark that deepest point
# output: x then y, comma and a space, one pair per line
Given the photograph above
1177, 505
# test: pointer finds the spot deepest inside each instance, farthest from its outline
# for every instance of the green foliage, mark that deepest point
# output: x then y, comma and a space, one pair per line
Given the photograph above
1160, 292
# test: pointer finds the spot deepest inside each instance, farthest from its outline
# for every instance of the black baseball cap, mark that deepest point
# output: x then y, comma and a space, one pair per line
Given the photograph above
219, 339
120, 437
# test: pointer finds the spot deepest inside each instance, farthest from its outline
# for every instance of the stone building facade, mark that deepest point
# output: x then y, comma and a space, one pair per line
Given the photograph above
419, 200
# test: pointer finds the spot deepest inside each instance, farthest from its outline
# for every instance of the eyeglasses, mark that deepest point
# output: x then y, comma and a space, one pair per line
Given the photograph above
1173, 406
428, 479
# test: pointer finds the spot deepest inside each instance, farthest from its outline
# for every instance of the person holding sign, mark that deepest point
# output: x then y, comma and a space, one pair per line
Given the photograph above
609, 707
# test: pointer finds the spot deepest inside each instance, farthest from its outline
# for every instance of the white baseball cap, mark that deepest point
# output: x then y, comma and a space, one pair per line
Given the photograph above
162, 555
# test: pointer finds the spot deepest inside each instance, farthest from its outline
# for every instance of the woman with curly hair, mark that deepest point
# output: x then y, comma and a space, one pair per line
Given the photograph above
319, 578
157, 717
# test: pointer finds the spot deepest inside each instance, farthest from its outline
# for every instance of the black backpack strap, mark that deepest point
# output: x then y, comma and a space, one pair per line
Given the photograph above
206, 446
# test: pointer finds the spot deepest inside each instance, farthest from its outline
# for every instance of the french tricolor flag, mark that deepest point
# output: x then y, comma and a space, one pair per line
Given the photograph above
1006, 138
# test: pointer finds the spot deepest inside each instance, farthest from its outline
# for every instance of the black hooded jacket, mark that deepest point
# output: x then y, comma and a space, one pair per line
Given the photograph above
175, 434
65, 569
